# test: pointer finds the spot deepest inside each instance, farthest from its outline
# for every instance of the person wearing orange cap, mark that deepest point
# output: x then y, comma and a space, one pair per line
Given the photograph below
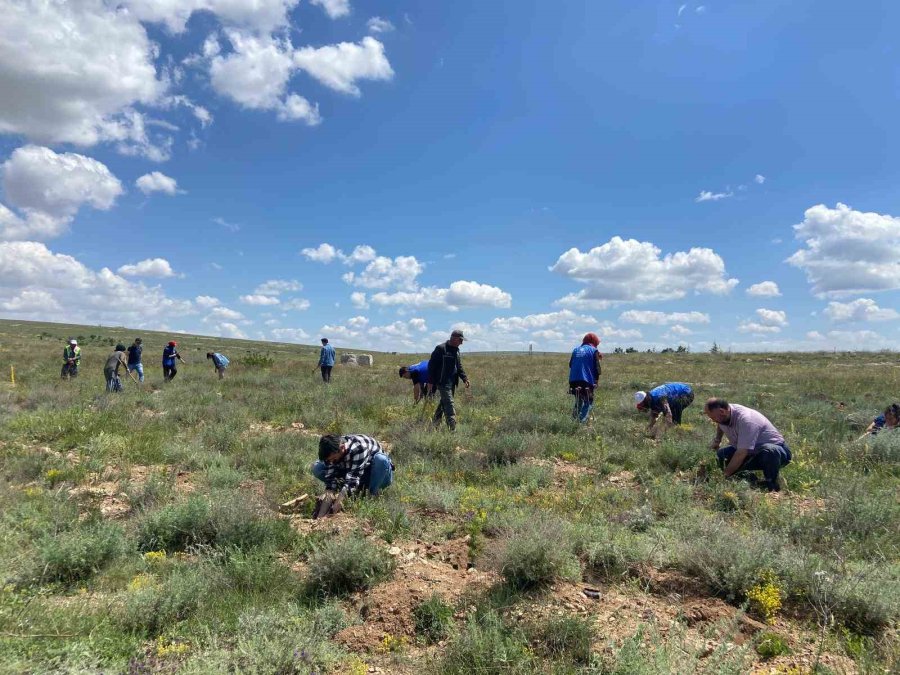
584, 373
170, 354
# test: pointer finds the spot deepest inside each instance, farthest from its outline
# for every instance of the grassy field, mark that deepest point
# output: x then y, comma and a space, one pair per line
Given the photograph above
141, 531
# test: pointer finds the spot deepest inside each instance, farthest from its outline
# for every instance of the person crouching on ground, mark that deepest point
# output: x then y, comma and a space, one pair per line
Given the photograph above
422, 386
170, 355
71, 360
888, 420
667, 400
756, 445
445, 370
352, 463
111, 368
584, 373
220, 362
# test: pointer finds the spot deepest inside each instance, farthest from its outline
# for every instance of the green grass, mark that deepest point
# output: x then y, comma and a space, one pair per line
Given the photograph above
522, 489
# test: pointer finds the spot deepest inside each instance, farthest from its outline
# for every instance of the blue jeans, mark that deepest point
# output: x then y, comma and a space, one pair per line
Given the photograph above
769, 458
139, 368
379, 473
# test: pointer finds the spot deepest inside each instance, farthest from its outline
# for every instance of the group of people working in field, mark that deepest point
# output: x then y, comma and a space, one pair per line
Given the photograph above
129, 362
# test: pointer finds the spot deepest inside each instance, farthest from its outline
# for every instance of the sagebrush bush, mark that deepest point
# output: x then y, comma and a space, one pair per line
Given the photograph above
433, 618
347, 564
505, 449
566, 638
487, 647
153, 607
227, 520
769, 645
538, 553
77, 554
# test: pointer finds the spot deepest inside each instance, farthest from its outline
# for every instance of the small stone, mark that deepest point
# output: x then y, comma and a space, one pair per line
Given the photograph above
394, 550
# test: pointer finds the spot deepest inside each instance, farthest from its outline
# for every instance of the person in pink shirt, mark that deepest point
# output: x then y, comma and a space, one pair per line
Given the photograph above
755, 443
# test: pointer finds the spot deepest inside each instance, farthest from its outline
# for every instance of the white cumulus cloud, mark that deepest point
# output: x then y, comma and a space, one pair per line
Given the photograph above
259, 300
459, 294
661, 318
206, 301
323, 253
49, 188
340, 66
384, 272
278, 286
295, 304
626, 271
848, 251
863, 309
767, 321
378, 25
151, 267
334, 8
707, 196
764, 289
157, 182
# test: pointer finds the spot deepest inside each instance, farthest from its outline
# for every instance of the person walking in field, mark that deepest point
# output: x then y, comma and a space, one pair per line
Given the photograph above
584, 373
665, 402
418, 373
111, 369
889, 419
219, 361
349, 465
326, 360
445, 370
169, 357
135, 364
755, 443
71, 360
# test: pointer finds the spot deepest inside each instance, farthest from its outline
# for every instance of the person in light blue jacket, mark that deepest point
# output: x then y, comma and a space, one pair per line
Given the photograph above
220, 361
667, 401
326, 360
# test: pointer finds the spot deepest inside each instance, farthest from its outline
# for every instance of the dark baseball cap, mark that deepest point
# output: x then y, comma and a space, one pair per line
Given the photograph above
458, 334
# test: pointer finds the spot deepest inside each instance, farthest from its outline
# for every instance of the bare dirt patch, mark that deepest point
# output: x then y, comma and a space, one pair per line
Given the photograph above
422, 570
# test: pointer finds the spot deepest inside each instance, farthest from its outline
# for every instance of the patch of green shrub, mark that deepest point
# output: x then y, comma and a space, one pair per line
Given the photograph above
77, 554
350, 563
434, 618
538, 553
566, 638
504, 449
254, 359
487, 647
769, 645
154, 607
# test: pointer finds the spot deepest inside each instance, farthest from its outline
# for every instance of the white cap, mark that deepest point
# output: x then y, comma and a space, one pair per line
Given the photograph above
639, 396
73, 342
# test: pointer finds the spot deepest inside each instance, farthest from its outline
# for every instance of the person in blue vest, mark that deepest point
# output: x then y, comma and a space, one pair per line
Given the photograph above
889, 419
666, 402
170, 355
326, 360
584, 373
134, 358
220, 361
418, 373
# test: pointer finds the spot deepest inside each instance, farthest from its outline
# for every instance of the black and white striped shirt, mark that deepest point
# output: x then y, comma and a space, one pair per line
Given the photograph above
349, 471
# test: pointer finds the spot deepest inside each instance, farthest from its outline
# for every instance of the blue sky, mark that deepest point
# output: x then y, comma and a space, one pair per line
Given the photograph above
662, 173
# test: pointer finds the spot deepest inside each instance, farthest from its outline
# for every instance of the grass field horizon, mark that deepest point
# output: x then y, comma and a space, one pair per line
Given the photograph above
142, 531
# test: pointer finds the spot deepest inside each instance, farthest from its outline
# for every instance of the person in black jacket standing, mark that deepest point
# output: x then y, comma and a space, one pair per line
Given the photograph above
445, 371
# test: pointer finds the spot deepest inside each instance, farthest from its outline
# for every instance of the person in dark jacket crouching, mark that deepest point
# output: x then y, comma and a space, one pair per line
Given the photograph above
445, 370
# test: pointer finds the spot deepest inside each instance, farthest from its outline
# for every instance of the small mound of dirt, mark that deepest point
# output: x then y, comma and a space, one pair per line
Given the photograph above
422, 570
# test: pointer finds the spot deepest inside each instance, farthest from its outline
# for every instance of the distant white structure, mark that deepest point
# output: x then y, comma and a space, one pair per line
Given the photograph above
365, 360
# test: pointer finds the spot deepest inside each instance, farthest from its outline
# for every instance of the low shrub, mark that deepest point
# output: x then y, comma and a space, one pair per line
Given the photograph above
505, 449
256, 359
538, 553
434, 618
487, 647
153, 607
769, 645
567, 638
77, 554
351, 563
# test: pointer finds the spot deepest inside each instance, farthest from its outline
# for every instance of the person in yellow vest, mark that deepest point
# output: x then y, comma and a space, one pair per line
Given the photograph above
71, 360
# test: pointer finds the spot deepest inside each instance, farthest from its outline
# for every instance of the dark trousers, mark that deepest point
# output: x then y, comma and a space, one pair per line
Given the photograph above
169, 372
113, 383
69, 370
678, 404
769, 459
326, 373
445, 407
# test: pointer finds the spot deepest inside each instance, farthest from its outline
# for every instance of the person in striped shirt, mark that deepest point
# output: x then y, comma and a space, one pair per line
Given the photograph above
351, 463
